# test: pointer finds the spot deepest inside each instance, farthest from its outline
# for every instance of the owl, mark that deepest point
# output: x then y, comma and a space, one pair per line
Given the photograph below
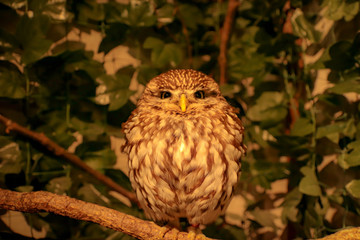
184, 143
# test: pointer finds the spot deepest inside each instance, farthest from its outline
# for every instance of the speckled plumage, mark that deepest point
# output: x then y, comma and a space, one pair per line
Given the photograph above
183, 164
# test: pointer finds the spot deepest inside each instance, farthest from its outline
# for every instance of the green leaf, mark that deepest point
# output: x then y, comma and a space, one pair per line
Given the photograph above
15, 4
10, 156
291, 145
12, 82
119, 177
243, 64
153, 43
332, 131
256, 133
333, 9
219, 230
56, 10
352, 157
163, 54
345, 87
59, 185
89, 10
113, 90
264, 217
30, 33
351, 10
93, 68
140, 14
341, 56
57, 128
146, 73
116, 34
309, 184
96, 154
270, 170
303, 28
353, 187
7, 40
229, 90
89, 193
171, 54
290, 205
118, 99
72, 46
165, 14
337, 9
26, 188
269, 109
327, 130
88, 129
312, 219
191, 15
49, 168
302, 127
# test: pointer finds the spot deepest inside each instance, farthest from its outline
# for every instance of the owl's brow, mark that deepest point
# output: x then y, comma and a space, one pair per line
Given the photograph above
212, 93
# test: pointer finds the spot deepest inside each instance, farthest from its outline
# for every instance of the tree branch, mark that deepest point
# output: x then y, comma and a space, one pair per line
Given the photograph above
224, 38
345, 234
33, 202
61, 152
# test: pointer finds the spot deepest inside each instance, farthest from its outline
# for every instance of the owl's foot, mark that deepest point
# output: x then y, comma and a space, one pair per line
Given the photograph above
195, 232
196, 236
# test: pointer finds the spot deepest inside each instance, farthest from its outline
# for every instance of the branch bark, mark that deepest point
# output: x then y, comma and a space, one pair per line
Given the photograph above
224, 38
345, 234
61, 152
33, 202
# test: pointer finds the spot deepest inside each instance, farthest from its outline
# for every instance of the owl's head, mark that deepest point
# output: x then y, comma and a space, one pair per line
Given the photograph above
181, 92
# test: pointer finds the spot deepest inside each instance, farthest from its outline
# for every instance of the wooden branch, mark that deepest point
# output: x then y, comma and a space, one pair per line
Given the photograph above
33, 202
61, 152
345, 234
224, 38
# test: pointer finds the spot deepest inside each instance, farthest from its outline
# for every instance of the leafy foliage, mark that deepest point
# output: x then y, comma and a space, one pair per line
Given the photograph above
294, 67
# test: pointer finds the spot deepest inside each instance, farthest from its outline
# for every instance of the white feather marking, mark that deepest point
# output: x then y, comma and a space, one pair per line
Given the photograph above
182, 146
134, 163
142, 150
216, 156
178, 155
167, 194
135, 134
147, 162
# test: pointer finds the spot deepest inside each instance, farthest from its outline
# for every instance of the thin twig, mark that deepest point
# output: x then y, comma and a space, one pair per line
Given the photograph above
293, 110
225, 32
41, 201
61, 152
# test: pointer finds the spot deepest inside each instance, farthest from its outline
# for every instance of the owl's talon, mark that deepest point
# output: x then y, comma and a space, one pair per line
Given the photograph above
192, 236
195, 232
196, 236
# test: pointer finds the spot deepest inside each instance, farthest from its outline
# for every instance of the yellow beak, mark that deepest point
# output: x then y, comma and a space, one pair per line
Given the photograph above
183, 102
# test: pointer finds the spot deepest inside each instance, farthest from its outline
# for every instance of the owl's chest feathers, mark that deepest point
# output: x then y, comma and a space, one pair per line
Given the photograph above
182, 142
188, 153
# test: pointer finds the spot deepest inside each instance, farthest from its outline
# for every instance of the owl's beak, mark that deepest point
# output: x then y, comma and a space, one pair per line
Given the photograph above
183, 102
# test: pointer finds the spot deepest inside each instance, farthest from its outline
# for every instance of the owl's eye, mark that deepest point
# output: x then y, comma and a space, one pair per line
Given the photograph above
199, 94
165, 94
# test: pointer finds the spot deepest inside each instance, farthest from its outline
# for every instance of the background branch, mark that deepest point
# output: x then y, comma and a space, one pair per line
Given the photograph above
61, 152
224, 38
33, 202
